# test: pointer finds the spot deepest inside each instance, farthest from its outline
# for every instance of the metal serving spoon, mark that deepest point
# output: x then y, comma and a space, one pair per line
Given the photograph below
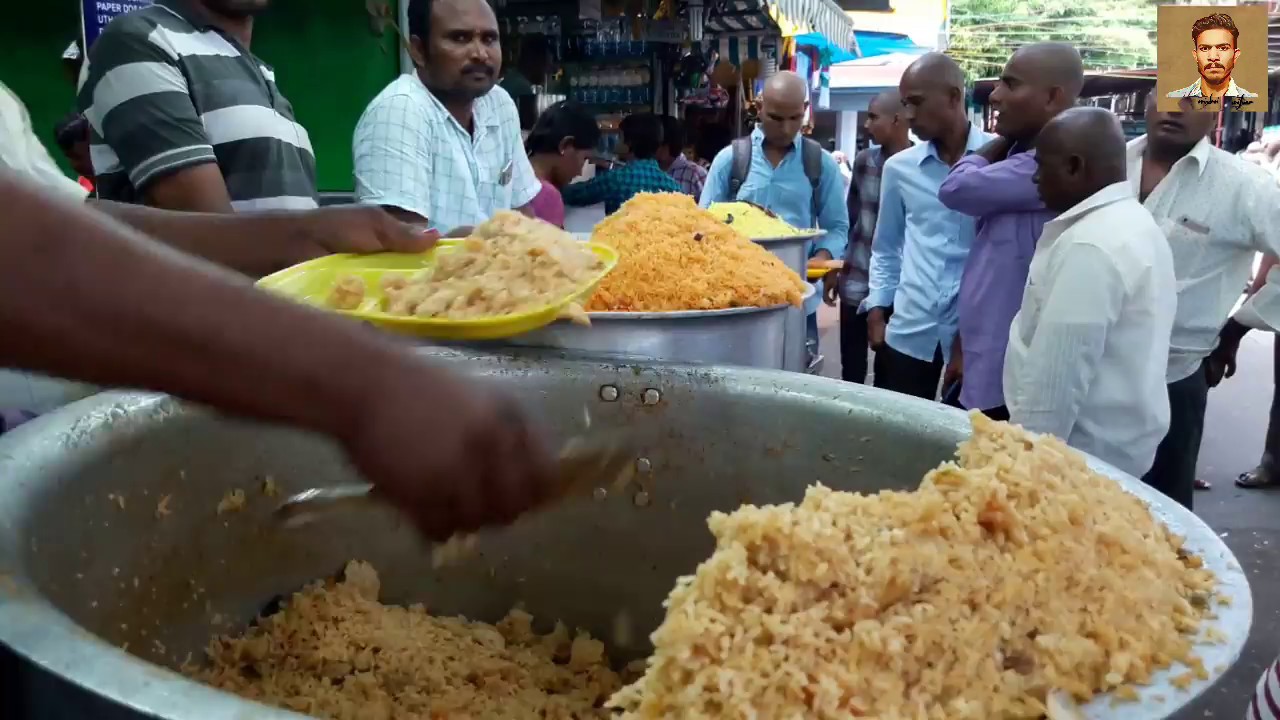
588, 461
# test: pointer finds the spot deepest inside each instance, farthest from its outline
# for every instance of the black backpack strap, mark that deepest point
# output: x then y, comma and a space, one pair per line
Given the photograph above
741, 166
811, 155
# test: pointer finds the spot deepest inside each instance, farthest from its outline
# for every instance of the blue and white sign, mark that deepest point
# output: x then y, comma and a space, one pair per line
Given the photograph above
95, 14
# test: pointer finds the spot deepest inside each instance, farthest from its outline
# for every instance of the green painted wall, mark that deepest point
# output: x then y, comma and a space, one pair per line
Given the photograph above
327, 63
330, 66
31, 43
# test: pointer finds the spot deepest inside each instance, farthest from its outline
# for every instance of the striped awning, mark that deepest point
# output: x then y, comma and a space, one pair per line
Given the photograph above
740, 17
787, 18
798, 17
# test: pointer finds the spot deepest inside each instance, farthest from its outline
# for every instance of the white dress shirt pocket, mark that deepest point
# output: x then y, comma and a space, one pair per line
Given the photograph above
1188, 238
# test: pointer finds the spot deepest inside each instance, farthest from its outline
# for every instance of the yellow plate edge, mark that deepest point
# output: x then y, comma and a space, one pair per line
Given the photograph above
489, 328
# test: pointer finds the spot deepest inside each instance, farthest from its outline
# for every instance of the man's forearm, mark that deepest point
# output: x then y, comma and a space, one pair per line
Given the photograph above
84, 297
255, 244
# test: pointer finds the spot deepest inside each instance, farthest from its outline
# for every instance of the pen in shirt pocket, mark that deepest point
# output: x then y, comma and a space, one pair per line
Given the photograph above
1192, 225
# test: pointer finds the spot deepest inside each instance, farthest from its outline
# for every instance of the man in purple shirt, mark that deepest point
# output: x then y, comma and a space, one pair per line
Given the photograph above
995, 186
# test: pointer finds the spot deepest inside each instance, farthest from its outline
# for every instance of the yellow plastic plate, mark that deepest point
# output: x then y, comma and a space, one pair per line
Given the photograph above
312, 282
816, 272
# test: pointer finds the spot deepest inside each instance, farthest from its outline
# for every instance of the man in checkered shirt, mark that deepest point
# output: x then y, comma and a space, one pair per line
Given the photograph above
887, 126
642, 134
443, 146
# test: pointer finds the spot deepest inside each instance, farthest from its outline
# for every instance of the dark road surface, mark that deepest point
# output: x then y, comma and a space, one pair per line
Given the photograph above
1247, 520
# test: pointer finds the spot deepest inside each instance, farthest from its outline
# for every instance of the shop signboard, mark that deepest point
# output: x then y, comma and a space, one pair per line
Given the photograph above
95, 14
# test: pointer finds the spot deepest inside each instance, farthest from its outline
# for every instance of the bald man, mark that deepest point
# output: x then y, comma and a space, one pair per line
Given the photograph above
920, 245
1088, 348
790, 175
887, 125
995, 187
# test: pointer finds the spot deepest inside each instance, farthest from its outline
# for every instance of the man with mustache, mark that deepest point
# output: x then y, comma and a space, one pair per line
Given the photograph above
185, 117
1216, 49
1217, 211
920, 245
995, 187
442, 146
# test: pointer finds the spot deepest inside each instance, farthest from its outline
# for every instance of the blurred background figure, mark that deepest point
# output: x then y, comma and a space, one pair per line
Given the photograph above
642, 134
712, 138
562, 139
72, 134
846, 169
671, 159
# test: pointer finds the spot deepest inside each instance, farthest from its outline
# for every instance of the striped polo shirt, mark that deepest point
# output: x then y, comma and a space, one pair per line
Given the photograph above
165, 91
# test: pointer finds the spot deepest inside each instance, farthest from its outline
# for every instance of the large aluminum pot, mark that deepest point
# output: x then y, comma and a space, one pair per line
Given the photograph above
747, 337
87, 563
794, 251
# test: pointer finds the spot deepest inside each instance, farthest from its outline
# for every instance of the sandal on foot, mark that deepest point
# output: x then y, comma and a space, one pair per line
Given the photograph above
1255, 478
1203, 484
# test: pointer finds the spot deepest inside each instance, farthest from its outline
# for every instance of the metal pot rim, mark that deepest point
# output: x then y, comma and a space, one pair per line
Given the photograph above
682, 314
43, 635
808, 235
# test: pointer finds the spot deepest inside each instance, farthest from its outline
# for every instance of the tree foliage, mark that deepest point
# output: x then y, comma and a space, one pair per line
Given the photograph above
1110, 34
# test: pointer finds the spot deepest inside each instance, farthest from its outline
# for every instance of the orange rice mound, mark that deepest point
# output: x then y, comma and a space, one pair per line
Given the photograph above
677, 256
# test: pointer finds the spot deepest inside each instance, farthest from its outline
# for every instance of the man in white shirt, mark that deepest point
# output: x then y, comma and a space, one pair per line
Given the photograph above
1217, 211
1088, 349
442, 146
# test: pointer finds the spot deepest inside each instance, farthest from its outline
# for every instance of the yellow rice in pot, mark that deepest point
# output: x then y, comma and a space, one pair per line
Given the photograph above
1012, 574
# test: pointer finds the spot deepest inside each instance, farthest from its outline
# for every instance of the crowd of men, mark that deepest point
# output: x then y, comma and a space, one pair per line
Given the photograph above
1052, 273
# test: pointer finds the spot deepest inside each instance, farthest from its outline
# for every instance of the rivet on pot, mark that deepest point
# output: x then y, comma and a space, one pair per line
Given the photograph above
651, 397
644, 466
609, 393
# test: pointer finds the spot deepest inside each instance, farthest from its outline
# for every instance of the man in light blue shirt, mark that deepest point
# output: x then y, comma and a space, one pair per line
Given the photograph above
776, 177
920, 246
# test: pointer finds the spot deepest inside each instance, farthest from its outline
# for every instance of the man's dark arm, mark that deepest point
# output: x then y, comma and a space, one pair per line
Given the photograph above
84, 297
996, 149
407, 216
261, 243
195, 189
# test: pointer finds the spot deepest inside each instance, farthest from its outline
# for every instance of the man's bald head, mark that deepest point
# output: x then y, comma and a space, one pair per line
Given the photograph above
888, 102
1039, 81
936, 69
786, 86
886, 120
1053, 64
932, 92
782, 108
1079, 152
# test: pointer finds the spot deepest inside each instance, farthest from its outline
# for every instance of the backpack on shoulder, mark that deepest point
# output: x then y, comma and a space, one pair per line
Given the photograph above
810, 155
